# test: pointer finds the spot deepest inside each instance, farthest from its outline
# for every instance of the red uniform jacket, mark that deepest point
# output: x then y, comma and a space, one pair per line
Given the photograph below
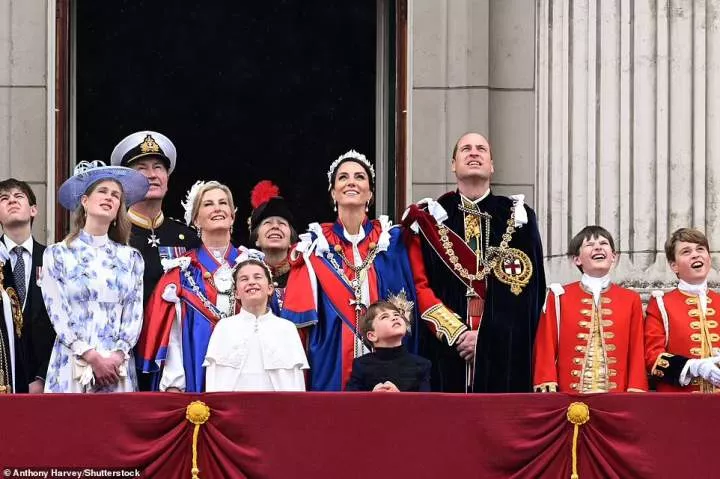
559, 358
667, 350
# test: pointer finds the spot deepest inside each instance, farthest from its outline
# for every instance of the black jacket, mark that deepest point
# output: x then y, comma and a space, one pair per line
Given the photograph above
406, 371
35, 343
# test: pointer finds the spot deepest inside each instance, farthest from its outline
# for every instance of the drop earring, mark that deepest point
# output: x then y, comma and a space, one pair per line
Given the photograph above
334, 205
367, 207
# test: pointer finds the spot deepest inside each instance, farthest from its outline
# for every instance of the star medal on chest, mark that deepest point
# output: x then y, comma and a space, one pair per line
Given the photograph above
153, 240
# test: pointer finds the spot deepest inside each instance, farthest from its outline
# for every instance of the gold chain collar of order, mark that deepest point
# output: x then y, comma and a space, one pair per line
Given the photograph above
355, 284
358, 270
489, 262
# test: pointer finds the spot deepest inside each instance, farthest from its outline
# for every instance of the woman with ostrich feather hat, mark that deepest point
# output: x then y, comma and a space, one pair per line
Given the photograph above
272, 232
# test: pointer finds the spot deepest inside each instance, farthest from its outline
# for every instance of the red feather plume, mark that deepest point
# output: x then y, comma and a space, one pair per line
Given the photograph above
262, 192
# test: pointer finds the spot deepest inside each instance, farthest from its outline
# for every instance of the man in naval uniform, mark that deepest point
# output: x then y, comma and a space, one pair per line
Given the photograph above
483, 258
156, 237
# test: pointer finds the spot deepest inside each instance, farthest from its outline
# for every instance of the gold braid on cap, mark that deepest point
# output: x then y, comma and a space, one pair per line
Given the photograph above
149, 145
350, 155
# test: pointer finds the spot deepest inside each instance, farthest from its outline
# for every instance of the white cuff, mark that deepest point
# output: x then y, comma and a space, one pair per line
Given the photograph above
79, 348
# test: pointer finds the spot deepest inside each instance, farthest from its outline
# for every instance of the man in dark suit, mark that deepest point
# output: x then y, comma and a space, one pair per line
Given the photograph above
32, 333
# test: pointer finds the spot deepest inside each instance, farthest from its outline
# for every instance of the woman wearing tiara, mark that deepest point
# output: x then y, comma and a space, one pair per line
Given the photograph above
92, 283
193, 295
340, 268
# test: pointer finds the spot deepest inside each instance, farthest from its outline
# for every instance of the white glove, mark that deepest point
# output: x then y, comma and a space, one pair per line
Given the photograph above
704, 368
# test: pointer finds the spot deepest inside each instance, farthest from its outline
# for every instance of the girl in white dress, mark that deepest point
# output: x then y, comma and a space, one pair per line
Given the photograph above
92, 283
254, 350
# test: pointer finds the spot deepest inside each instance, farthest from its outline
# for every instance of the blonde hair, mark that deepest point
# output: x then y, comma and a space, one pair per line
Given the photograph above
119, 230
210, 185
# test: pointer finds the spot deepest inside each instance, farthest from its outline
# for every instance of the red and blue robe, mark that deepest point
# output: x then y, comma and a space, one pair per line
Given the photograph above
330, 326
197, 318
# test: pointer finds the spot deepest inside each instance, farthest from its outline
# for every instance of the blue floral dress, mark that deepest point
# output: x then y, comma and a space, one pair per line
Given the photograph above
92, 289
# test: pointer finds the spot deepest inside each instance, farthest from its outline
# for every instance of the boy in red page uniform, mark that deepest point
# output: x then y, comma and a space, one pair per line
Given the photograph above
590, 336
681, 329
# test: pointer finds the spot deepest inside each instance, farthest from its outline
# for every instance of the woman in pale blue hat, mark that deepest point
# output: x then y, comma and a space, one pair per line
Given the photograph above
92, 283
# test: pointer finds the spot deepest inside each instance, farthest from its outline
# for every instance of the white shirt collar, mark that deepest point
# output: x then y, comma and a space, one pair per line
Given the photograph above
595, 285
27, 244
696, 289
354, 239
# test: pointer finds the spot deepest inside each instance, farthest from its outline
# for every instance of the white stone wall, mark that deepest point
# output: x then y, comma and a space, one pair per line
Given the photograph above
23, 93
599, 111
628, 118
472, 67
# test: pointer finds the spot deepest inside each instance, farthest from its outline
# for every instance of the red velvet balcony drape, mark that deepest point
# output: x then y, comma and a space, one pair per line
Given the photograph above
281, 435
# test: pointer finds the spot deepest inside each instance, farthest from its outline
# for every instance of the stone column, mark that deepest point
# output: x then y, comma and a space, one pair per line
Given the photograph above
471, 69
23, 103
628, 118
